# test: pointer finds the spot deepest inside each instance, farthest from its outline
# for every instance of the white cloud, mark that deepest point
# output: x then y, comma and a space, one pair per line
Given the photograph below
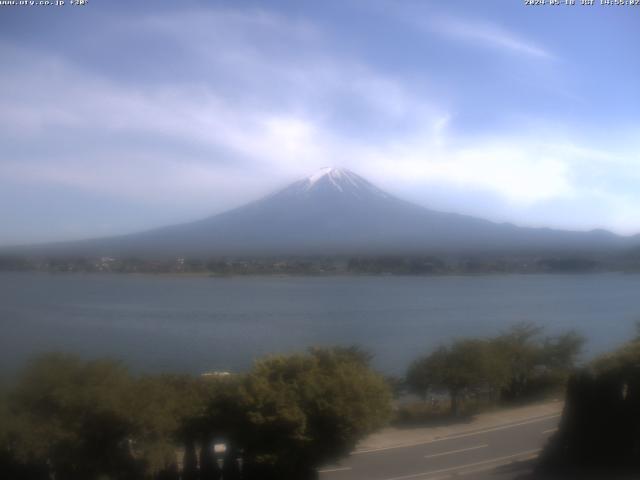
270, 145
279, 122
488, 35
264, 134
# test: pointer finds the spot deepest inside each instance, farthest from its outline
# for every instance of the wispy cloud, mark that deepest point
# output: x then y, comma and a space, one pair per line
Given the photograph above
488, 35
251, 147
151, 143
257, 99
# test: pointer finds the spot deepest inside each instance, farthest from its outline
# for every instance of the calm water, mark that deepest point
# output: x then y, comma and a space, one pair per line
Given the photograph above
198, 324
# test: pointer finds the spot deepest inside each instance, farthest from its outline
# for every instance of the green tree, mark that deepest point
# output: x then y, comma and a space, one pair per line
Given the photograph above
600, 426
562, 351
623, 359
424, 374
521, 349
464, 368
304, 410
90, 420
72, 416
163, 408
536, 363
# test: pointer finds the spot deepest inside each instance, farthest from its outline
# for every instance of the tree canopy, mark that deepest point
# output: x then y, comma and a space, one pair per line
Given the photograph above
600, 426
514, 365
463, 368
76, 419
311, 408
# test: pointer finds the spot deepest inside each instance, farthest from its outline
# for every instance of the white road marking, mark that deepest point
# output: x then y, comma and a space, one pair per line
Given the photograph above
468, 465
549, 431
337, 469
495, 429
491, 467
456, 451
462, 435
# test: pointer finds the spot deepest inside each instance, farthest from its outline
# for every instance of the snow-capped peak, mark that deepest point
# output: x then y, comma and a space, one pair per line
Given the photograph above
320, 173
332, 181
341, 179
336, 176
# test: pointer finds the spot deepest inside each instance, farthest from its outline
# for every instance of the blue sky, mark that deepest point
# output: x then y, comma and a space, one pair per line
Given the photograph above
120, 116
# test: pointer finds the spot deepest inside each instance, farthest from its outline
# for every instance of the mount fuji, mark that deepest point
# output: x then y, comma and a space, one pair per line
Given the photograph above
334, 212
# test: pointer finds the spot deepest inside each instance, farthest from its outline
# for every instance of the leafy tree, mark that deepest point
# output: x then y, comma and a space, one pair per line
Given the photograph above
72, 416
600, 425
536, 363
304, 410
562, 351
624, 359
353, 353
397, 384
72, 419
190, 461
162, 409
471, 367
466, 367
423, 373
521, 352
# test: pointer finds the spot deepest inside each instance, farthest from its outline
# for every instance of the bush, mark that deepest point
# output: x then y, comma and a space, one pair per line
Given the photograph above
600, 426
305, 410
519, 365
72, 419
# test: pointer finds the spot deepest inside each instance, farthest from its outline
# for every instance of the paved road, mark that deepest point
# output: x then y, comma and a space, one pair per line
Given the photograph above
497, 452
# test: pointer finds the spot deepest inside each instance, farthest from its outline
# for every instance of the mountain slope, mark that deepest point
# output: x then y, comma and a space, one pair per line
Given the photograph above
335, 211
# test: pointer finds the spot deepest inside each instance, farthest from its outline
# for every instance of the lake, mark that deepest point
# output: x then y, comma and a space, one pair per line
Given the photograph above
195, 324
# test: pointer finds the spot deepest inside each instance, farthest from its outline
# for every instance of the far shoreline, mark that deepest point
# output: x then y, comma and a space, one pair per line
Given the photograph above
318, 275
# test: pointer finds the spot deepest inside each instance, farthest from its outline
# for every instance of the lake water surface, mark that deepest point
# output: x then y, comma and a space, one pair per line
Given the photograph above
194, 324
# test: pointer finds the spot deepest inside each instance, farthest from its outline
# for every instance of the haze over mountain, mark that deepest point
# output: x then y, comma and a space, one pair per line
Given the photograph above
332, 212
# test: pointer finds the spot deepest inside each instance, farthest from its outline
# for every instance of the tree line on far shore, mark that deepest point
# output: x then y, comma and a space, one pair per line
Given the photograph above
539, 262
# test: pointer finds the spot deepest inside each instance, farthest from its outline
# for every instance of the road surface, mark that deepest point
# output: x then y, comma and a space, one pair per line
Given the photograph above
500, 452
